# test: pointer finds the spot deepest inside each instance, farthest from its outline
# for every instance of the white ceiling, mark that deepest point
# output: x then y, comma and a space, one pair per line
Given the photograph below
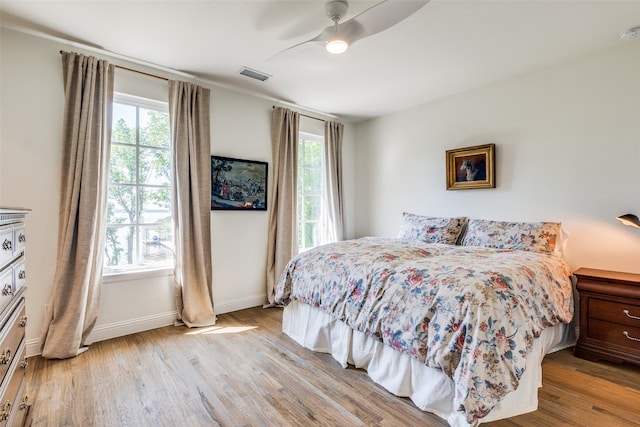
447, 47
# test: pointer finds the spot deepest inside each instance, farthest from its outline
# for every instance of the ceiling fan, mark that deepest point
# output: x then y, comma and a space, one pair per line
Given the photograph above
338, 37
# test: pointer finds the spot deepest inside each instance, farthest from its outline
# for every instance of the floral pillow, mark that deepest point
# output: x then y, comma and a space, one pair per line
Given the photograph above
527, 236
430, 229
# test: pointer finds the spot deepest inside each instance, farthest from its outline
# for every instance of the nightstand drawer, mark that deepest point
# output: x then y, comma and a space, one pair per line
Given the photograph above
609, 305
616, 312
614, 333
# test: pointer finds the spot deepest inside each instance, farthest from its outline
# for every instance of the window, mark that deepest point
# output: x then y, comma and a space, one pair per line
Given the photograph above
310, 190
139, 209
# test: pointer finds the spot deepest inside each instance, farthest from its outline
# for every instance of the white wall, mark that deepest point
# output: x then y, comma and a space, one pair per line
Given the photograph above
30, 145
567, 149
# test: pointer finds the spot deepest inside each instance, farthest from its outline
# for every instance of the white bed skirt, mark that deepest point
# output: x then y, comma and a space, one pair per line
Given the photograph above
405, 376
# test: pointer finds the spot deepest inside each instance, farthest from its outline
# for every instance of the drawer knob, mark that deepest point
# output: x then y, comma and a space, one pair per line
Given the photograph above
6, 411
7, 290
23, 321
631, 315
6, 245
24, 363
629, 337
6, 357
24, 403
22, 274
22, 238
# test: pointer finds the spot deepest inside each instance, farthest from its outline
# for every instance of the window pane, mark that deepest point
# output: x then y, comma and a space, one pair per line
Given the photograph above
312, 208
300, 214
155, 205
313, 154
312, 181
123, 130
317, 181
301, 175
155, 166
154, 128
122, 164
121, 204
156, 245
309, 234
120, 246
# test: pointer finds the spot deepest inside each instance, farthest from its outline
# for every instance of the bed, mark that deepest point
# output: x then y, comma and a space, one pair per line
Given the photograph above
455, 313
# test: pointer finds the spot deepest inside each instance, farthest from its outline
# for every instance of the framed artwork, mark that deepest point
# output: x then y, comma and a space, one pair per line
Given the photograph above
471, 167
238, 184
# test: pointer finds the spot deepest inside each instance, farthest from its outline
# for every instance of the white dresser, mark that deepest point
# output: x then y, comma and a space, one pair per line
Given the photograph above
14, 404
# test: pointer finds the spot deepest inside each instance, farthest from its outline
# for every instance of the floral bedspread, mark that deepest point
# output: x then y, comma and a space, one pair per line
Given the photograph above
471, 312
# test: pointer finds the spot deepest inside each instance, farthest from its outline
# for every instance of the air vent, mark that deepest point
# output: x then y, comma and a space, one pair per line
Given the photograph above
254, 74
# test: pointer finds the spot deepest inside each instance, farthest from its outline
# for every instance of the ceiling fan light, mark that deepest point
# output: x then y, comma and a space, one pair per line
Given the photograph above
337, 46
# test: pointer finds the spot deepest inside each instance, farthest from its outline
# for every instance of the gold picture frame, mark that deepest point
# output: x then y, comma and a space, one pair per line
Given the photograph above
471, 167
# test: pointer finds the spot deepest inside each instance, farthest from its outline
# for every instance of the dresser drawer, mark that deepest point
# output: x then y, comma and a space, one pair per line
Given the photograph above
6, 244
12, 279
616, 312
614, 333
19, 275
19, 238
6, 287
20, 407
10, 338
13, 402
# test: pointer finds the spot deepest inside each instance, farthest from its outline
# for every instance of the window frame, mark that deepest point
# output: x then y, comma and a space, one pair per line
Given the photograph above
139, 271
300, 193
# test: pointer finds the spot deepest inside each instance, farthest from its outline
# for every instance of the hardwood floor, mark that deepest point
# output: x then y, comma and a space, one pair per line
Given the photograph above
245, 372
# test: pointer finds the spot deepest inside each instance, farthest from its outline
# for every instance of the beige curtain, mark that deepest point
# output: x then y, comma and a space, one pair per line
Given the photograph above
283, 237
190, 134
334, 192
86, 134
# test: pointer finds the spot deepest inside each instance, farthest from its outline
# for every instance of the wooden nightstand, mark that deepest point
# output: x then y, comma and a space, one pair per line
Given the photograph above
609, 315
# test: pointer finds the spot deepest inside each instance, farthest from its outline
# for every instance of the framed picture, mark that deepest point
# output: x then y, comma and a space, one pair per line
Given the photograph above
238, 184
471, 167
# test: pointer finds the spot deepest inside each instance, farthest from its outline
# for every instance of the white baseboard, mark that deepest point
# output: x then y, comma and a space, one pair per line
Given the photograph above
117, 329
131, 326
240, 303
140, 324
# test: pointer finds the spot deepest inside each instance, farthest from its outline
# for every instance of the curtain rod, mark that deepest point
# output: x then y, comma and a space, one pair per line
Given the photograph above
195, 78
305, 115
137, 71
142, 72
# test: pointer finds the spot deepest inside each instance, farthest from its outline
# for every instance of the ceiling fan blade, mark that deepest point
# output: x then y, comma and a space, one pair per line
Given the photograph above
298, 48
378, 18
320, 39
